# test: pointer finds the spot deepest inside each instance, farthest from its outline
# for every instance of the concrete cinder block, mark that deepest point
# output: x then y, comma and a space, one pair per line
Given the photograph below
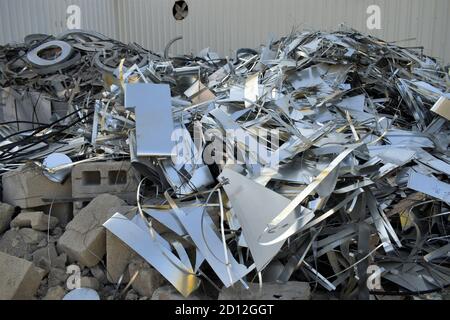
84, 240
94, 178
57, 276
47, 257
118, 254
21, 243
99, 274
36, 220
19, 279
62, 210
27, 187
292, 290
89, 282
147, 279
55, 293
6, 213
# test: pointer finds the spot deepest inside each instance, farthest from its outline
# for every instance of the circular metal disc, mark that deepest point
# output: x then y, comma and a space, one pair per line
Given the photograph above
55, 160
82, 294
66, 52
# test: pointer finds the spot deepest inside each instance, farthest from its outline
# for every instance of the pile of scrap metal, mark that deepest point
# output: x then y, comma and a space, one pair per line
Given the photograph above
320, 157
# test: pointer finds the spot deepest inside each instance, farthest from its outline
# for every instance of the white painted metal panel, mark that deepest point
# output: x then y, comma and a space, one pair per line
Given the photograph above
224, 25
19, 18
227, 25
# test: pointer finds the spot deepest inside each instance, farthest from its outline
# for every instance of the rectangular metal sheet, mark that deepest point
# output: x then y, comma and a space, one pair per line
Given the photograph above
429, 185
154, 121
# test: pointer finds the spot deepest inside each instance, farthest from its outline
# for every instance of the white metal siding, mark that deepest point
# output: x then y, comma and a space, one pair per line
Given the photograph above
224, 25
19, 18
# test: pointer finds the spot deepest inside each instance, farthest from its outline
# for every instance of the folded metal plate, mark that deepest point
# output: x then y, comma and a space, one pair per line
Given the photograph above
201, 177
201, 228
155, 253
255, 206
199, 93
154, 122
442, 107
429, 185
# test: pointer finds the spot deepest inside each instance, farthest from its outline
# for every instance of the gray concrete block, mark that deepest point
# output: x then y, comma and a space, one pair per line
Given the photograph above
21, 243
6, 213
27, 187
36, 220
84, 240
19, 279
147, 279
55, 293
94, 178
118, 254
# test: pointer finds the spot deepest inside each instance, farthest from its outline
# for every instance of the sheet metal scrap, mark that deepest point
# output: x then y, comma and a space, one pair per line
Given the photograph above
355, 179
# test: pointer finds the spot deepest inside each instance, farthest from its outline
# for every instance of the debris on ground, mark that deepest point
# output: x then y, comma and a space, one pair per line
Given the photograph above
314, 167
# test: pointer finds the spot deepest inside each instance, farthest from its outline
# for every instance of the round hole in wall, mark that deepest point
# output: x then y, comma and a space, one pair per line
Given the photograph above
180, 10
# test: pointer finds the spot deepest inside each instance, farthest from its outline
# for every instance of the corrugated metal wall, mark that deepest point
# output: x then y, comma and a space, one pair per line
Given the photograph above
19, 18
224, 25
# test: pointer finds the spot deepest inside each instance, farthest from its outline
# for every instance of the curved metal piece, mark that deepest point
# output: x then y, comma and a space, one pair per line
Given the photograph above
94, 46
92, 34
101, 65
245, 51
171, 42
37, 61
33, 39
59, 66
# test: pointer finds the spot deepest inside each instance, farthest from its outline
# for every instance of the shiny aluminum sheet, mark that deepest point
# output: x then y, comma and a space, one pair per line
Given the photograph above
255, 206
202, 231
154, 252
154, 122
